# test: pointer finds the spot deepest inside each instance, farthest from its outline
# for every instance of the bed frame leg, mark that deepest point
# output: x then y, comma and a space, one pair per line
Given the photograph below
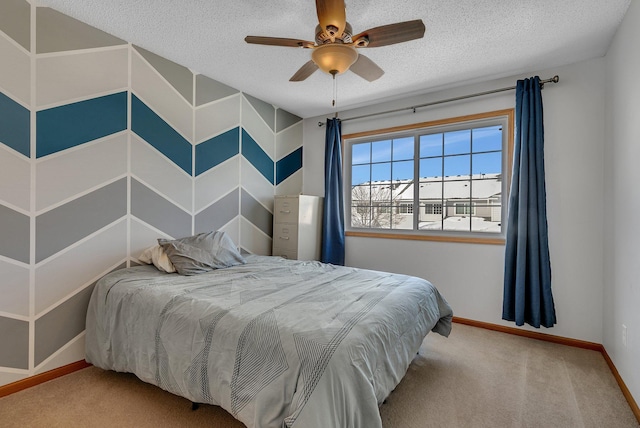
195, 406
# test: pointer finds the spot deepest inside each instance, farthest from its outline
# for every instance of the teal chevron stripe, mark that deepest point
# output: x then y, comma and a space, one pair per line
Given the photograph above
14, 125
155, 131
288, 165
258, 158
217, 150
70, 125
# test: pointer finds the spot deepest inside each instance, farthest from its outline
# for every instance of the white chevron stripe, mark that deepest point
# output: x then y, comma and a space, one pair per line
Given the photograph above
62, 78
85, 169
292, 185
161, 96
289, 140
258, 130
216, 183
156, 171
15, 179
15, 71
14, 289
52, 279
217, 118
255, 184
253, 239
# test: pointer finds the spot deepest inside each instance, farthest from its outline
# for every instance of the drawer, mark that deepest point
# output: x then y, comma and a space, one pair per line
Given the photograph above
285, 236
286, 210
287, 254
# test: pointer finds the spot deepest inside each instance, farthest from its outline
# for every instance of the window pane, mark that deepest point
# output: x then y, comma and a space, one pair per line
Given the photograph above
487, 218
361, 195
457, 190
431, 167
360, 153
403, 148
458, 217
381, 194
430, 217
403, 170
381, 171
487, 139
381, 151
430, 145
487, 163
457, 165
381, 216
457, 142
487, 189
360, 174
430, 191
360, 216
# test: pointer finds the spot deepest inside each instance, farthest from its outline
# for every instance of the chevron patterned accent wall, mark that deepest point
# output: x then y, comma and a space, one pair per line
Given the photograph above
105, 147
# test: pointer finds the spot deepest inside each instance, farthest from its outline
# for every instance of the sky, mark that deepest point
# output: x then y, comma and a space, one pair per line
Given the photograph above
476, 151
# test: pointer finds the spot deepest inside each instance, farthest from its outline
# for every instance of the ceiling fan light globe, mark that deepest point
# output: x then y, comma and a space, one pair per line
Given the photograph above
334, 58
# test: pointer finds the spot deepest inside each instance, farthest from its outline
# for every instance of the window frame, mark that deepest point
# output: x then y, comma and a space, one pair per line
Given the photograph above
506, 117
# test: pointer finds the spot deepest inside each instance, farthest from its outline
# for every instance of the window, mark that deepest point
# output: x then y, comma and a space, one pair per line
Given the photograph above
433, 208
404, 208
452, 171
464, 209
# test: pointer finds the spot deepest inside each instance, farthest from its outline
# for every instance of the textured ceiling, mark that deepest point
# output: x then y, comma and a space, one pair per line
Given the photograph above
465, 40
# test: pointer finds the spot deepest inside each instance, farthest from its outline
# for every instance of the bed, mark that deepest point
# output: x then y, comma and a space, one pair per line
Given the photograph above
275, 342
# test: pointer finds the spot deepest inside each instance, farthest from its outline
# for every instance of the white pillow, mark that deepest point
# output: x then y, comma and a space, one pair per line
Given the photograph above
158, 257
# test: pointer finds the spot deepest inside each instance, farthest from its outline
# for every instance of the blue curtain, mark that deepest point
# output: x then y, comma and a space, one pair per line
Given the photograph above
527, 275
333, 220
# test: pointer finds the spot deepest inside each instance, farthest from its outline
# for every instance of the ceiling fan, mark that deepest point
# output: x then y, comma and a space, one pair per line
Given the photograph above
335, 48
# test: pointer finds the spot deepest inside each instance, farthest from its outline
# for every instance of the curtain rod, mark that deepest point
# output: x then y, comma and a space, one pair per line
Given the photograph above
554, 79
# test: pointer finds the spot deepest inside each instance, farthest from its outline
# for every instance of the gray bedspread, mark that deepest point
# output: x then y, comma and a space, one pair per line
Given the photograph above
277, 343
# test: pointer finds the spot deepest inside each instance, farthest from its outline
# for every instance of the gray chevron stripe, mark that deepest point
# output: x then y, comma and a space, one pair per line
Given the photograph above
69, 223
152, 208
14, 234
15, 21
209, 90
57, 327
180, 77
57, 32
265, 110
256, 213
14, 351
284, 119
218, 214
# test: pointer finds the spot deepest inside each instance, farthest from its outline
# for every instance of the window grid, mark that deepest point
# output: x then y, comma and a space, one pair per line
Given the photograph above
471, 207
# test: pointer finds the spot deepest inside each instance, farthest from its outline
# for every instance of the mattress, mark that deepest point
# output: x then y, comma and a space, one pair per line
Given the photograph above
275, 342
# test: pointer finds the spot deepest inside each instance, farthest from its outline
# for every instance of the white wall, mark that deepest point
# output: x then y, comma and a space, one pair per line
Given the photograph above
622, 177
470, 275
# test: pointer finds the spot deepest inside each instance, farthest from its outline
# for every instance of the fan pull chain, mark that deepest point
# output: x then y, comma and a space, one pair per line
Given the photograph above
335, 91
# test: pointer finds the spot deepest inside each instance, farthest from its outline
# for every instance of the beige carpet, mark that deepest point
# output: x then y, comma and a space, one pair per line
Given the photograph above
475, 378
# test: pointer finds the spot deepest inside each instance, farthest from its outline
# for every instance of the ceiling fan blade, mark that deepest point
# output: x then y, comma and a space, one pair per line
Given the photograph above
304, 72
366, 68
279, 41
332, 17
390, 34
